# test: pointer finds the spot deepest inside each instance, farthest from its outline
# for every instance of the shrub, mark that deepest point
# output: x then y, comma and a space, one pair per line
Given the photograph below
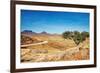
84, 35
68, 35
76, 36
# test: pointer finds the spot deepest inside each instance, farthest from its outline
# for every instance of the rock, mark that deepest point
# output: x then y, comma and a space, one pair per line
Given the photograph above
41, 58
25, 51
39, 51
55, 57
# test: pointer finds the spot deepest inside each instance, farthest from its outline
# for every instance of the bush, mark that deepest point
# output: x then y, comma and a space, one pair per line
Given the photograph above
67, 35
76, 36
84, 35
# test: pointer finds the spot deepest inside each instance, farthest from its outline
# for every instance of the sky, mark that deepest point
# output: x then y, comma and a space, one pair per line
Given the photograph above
54, 22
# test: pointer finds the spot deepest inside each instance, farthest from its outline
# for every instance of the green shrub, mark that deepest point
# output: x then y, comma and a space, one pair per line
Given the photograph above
84, 35
76, 36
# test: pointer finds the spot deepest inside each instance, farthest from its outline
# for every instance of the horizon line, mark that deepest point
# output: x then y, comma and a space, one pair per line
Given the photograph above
54, 32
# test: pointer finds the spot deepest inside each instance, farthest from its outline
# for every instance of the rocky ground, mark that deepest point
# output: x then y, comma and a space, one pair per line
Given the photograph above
56, 50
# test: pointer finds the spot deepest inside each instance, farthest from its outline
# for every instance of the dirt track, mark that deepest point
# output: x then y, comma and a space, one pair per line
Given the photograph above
44, 42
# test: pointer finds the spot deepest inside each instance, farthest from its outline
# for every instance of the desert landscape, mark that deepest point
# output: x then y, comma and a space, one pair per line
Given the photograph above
49, 36
46, 47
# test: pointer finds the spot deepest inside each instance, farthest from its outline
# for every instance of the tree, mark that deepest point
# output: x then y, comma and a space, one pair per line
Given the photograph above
66, 34
76, 36
84, 35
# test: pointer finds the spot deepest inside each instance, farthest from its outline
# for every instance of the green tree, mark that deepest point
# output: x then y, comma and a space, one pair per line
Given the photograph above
76, 36
84, 35
66, 35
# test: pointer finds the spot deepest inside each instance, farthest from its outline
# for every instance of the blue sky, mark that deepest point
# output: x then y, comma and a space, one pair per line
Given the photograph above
54, 22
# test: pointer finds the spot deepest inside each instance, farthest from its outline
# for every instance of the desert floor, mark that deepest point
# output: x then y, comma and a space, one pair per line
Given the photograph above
47, 48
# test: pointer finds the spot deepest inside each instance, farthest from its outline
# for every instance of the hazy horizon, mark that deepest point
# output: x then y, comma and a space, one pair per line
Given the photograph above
48, 32
54, 22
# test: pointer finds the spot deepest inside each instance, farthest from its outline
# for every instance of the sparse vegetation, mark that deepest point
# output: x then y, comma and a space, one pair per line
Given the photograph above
74, 47
78, 37
85, 35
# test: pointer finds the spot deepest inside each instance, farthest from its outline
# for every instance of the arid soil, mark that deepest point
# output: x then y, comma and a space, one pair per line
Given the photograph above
57, 49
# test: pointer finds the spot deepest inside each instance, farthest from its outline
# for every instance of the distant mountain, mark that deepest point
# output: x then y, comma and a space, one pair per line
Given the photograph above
29, 32
32, 33
44, 33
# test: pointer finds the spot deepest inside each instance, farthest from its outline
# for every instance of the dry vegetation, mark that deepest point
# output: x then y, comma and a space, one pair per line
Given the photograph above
57, 49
